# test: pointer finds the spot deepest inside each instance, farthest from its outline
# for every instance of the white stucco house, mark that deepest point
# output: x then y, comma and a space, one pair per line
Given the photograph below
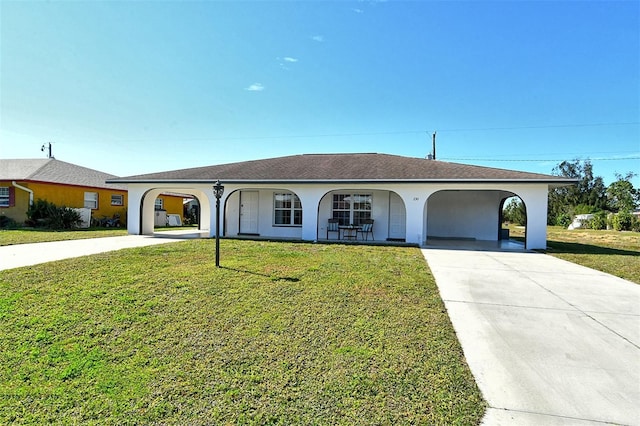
293, 197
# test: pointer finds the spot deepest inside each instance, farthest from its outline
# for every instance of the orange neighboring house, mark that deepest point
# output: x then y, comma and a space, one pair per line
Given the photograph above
22, 181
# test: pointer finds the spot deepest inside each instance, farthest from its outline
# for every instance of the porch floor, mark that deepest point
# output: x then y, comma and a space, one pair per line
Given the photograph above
476, 245
442, 243
182, 233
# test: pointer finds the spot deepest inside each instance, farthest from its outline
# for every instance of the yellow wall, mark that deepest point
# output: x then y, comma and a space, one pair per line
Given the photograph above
19, 210
65, 195
73, 196
172, 204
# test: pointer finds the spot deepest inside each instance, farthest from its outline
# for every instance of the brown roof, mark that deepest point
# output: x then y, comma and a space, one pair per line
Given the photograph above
341, 167
55, 171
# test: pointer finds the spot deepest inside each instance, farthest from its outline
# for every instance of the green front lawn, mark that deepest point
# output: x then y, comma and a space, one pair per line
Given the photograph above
284, 333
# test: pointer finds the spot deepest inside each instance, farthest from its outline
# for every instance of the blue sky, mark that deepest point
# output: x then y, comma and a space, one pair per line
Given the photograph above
136, 87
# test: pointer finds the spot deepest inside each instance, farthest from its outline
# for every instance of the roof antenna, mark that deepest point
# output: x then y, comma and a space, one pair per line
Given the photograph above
432, 154
50, 155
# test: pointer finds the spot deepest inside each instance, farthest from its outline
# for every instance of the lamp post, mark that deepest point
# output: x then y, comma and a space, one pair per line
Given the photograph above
218, 190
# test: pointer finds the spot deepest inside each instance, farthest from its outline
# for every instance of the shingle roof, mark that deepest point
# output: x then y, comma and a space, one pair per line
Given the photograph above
55, 171
341, 167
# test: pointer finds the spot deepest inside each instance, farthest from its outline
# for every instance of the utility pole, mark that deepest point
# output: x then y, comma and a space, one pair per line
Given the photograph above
50, 155
434, 145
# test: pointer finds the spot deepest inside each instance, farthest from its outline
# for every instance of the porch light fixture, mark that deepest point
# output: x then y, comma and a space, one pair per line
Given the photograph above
218, 190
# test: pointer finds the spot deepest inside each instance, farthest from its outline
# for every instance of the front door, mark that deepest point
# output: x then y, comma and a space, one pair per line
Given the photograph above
249, 212
397, 217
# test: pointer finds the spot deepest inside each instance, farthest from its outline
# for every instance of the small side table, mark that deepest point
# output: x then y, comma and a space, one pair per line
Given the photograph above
349, 232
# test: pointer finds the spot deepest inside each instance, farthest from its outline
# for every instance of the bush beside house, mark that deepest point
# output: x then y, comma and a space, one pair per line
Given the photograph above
43, 214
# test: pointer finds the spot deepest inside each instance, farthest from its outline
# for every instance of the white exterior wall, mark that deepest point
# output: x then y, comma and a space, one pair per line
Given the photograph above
266, 227
464, 214
316, 204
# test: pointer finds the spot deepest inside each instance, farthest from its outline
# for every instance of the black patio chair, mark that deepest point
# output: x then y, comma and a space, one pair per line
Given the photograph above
366, 229
332, 226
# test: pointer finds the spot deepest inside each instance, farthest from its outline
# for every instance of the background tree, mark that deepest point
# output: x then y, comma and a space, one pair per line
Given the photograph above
587, 196
514, 212
621, 194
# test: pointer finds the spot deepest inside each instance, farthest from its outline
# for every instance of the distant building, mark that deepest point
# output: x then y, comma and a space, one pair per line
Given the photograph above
22, 181
580, 220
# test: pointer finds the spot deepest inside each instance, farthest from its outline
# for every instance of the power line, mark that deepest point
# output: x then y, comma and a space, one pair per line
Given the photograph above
582, 154
551, 126
536, 160
390, 133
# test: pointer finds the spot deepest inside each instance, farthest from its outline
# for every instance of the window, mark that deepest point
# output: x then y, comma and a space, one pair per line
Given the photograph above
4, 196
287, 209
117, 200
351, 209
159, 204
91, 200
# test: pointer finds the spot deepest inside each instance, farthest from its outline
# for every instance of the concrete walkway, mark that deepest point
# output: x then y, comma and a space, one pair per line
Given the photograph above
549, 342
19, 255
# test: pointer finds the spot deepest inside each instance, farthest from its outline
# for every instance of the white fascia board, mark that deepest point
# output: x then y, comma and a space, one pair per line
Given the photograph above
560, 182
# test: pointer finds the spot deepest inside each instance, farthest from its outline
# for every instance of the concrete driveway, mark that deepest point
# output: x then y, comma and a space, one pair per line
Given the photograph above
549, 342
19, 255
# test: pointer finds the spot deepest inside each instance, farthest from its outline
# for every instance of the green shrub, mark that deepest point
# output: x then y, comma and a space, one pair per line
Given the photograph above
43, 214
599, 220
563, 219
622, 221
7, 223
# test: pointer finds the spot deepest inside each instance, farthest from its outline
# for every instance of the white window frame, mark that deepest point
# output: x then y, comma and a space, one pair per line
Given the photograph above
351, 208
118, 198
91, 200
159, 204
294, 208
5, 196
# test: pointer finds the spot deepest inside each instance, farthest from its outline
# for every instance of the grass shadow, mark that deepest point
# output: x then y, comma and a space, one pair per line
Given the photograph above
271, 277
578, 248
561, 247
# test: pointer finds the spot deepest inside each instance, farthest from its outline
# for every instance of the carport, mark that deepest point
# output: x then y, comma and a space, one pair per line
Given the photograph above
461, 217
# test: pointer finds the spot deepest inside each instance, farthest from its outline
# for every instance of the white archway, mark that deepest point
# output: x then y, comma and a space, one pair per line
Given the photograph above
146, 211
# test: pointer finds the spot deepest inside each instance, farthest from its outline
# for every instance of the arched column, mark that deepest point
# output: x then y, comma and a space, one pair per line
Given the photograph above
134, 209
148, 211
415, 203
211, 207
535, 201
310, 200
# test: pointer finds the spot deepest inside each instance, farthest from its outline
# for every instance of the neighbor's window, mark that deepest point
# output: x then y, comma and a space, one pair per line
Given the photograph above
287, 209
351, 209
117, 200
4, 196
91, 200
159, 204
